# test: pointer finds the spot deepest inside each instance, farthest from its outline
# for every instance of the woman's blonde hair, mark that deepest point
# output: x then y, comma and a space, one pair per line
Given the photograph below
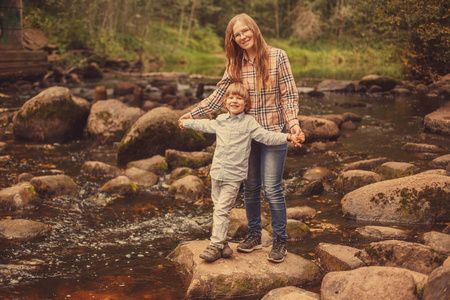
237, 88
235, 54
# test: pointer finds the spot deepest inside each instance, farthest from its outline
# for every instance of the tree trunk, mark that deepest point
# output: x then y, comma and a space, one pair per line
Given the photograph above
180, 30
191, 18
342, 23
277, 21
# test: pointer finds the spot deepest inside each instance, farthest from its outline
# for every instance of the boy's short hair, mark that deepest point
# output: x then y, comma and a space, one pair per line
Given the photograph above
237, 88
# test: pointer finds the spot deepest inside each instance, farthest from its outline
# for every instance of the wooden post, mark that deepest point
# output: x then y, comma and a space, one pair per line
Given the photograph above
11, 25
14, 60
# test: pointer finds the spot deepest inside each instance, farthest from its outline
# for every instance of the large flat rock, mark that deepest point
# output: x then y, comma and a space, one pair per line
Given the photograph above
416, 199
242, 274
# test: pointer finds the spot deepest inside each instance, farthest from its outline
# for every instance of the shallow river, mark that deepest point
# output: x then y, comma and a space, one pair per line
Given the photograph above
118, 250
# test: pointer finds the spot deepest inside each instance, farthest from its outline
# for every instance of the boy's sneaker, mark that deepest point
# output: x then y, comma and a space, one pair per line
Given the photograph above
250, 243
211, 253
279, 251
226, 251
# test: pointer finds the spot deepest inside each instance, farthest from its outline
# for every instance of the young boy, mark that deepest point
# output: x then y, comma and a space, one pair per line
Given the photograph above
234, 131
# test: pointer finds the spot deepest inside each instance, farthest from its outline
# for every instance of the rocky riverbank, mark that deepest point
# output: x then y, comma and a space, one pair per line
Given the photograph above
151, 150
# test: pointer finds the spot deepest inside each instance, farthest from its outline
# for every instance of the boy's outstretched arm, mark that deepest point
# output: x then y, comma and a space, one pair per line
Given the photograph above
203, 125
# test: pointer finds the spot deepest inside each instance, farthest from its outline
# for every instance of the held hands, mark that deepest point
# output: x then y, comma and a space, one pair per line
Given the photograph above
183, 117
297, 136
296, 140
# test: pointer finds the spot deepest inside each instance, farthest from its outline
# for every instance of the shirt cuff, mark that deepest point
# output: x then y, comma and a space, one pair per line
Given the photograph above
187, 122
294, 122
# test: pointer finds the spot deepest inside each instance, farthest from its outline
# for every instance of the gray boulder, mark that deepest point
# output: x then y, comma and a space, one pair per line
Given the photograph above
51, 116
438, 285
368, 164
180, 173
311, 188
109, 120
444, 91
238, 223
296, 230
153, 133
141, 177
100, 169
412, 256
421, 198
120, 185
349, 126
438, 121
301, 213
421, 147
401, 92
54, 185
290, 292
393, 169
384, 82
19, 196
351, 180
156, 164
438, 241
349, 116
240, 275
440, 162
23, 177
23, 229
337, 257
338, 86
316, 173
369, 283
194, 160
318, 128
338, 119
382, 233
189, 188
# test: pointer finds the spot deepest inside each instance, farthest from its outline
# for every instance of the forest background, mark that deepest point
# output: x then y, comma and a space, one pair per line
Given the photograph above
333, 39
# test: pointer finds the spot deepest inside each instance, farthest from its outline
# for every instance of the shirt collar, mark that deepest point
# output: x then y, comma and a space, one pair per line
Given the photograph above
239, 116
245, 57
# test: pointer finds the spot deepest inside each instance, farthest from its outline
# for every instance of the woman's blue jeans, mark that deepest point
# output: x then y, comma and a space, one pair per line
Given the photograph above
265, 169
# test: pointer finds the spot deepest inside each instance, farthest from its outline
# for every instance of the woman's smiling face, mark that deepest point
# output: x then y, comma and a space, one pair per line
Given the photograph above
243, 36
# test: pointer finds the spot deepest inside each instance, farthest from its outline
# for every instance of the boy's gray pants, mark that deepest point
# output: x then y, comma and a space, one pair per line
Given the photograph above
223, 194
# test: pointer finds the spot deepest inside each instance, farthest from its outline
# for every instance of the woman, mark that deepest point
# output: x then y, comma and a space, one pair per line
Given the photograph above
267, 75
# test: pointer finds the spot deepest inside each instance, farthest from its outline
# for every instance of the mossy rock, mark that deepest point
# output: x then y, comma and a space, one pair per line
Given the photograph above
155, 132
194, 160
423, 198
354, 179
19, 196
296, 230
120, 185
386, 83
240, 276
51, 116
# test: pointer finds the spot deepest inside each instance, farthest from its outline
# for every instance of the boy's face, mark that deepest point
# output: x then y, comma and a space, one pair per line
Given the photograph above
235, 104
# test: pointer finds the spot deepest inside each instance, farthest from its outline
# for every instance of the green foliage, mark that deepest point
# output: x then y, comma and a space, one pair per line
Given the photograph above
342, 39
420, 30
324, 60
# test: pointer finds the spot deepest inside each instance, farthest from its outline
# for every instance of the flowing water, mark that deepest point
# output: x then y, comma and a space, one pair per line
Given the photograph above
102, 247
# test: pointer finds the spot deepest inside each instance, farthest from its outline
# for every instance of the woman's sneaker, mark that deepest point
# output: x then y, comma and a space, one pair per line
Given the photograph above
250, 243
278, 252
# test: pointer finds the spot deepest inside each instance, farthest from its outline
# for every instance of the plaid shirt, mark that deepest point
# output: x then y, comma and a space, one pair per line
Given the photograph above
273, 108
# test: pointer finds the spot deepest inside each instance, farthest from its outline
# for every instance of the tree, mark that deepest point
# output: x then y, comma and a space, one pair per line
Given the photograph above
420, 31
